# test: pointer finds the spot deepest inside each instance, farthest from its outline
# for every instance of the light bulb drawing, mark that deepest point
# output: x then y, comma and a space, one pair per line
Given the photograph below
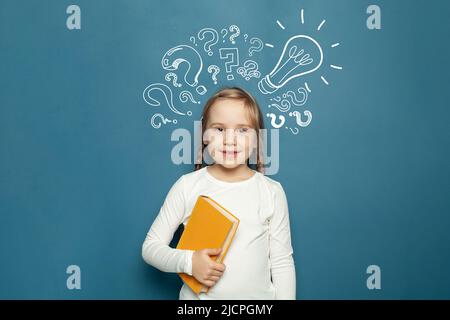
301, 55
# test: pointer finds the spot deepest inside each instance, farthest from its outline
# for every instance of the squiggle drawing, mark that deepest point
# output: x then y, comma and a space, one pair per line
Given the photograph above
167, 93
156, 124
295, 99
283, 106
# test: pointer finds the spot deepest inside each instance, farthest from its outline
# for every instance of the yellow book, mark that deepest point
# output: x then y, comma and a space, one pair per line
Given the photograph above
209, 226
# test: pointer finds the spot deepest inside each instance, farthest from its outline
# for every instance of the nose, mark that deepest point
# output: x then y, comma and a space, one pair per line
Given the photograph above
229, 137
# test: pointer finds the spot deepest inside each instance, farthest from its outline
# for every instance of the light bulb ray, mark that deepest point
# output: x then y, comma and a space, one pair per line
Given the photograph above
335, 67
280, 25
321, 24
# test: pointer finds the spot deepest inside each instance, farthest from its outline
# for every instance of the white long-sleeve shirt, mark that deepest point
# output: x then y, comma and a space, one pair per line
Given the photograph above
259, 262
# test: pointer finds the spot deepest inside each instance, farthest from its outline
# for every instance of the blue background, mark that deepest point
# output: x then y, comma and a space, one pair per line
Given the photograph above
83, 174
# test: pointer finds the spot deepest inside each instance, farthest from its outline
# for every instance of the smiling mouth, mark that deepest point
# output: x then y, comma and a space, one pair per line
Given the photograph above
230, 153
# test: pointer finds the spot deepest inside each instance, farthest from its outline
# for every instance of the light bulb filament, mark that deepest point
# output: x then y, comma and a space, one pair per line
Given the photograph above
299, 59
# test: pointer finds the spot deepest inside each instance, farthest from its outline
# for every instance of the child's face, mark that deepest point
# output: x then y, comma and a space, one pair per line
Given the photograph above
229, 134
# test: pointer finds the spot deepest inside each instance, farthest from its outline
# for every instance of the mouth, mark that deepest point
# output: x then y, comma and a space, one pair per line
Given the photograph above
227, 153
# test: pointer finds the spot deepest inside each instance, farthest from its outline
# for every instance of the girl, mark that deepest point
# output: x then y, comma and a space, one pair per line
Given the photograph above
259, 262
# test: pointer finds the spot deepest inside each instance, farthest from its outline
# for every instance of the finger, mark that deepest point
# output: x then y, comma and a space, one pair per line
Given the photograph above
213, 251
219, 267
216, 273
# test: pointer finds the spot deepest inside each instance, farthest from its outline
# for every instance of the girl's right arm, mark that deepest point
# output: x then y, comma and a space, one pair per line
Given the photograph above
155, 249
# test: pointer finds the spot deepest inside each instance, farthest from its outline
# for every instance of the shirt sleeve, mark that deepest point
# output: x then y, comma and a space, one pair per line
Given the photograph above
155, 249
280, 251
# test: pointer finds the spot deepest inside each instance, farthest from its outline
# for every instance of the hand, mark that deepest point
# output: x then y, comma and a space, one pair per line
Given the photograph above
206, 270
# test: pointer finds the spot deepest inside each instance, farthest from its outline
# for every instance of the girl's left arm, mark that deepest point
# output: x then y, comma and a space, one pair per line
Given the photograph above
280, 248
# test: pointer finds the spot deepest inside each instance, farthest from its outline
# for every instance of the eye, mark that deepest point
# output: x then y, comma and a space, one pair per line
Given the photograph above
219, 129
243, 130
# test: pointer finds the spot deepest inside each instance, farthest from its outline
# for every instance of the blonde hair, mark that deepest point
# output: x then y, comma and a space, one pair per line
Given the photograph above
255, 117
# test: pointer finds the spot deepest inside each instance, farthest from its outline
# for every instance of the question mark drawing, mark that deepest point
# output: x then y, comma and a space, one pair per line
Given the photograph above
215, 71
273, 119
257, 48
184, 54
173, 76
192, 39
234, 35
294, 99
185, 96
201, 90
164, 120
293, 130
245, 37
224, 34
284, 106
231, 55
166, 91
298, 117
249, 70
208, 44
